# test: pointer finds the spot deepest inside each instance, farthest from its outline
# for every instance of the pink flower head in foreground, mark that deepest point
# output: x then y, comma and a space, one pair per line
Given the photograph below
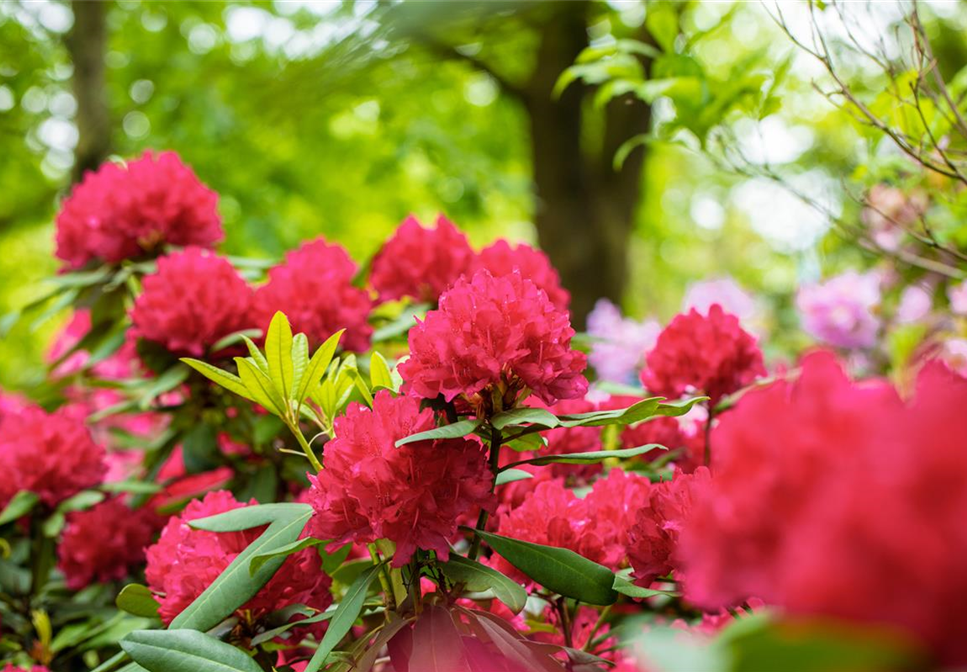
838, 499
653, 541
501, 259
421, 263
123, 211
186, 561
313, 287
35, 668
193, 300
104, 543
50, 454
412, 495
620, 343
839, 312
491, 339
595, 527
709, 354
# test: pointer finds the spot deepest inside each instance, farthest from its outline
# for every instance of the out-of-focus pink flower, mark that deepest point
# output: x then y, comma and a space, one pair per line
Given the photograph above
954, 353
121, 365
915, 304
421, 263
313, 287
827, 492
620, 343
104, 543
957, 295
50, 454
725, 292
709, 354
411, 495
890, 211
193, 300
123, 211
839, 312
491, 339
500, 258
186, 561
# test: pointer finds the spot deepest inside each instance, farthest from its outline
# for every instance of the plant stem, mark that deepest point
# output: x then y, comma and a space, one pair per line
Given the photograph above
306, 448
383, 581
708, 435
495, 441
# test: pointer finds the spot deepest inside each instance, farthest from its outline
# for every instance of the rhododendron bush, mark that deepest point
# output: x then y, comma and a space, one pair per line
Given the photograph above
407, 464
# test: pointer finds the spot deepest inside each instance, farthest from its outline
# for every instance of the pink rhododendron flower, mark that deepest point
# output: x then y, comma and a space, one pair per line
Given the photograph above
957, 295
411, 495
840, 311
35, 668
50, 454
889, 211
500, 258
620, 343
104, 543
915, 304
123, 211
670, 433
709, 354
725, 292
193, 300
421, 263
653, 541
827, 493
121, 365
313, 287
186, 561
954, 353
491, 339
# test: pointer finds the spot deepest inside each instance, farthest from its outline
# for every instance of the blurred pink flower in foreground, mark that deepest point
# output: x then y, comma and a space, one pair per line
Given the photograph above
840, 311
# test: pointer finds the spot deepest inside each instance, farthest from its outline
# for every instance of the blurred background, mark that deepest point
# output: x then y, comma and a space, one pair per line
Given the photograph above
515, 119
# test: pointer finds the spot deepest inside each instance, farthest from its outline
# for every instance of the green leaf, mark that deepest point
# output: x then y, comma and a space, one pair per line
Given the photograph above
557, 569
235, 586
185, 651
517, 416
478, 578
344, 617
454, 430
258, 359
402, 324
641, 410
532, 441
379, 373
247, 517
137, 600
300, 362
259, 386
166, 382
53, 525
269, 635
278, 354
225, 379
589, 457
510, 475
283, 552
234, 338
318, 365
662, 22
19, 506
625, 587
332, 561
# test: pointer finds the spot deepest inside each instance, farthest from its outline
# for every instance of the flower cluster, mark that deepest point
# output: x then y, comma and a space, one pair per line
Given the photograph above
314, 288
186, 561
194, 299
501, 258
492, 338
412, 495
124, 211
827, 493
709, 354
421, 263
840, 311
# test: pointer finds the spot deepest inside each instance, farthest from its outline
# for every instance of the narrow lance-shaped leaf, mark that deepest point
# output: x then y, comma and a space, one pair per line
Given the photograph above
379, 373
256, 355
247, 517
510, 475
454, 430
517, 416
260, 386
285, 551
479, 577
318, 365
185, 651
278, 353
589, 457
300, 362
137, 600
227, 380
19, 506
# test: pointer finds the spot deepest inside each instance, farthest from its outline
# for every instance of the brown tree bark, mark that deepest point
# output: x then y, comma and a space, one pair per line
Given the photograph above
86, 44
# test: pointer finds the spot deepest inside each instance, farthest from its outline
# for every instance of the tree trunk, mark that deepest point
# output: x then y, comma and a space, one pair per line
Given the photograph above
584, 210
86, 44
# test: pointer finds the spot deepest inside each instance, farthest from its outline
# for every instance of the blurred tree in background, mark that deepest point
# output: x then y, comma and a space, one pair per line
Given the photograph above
339, 118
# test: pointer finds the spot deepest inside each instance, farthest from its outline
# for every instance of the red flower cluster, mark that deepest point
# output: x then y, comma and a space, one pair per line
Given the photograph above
501, 259
666, 432
421, 263
186, 561
35, 668
123, 211
653, 541
707, 354
370, 489
595, 527
50, 454
87, 553
838, 499
491, 339
194, 299
313, 287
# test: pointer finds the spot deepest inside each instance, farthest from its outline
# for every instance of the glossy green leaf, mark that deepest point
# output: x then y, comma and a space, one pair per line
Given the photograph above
247, 517
225, 379
589, 457
478, 578
82, 500
185, 651
518, 416
557, 569
278, 354
344, 617
283, 552
454, 430
510, 475
626, 587
137, 600
235, 338
19, 506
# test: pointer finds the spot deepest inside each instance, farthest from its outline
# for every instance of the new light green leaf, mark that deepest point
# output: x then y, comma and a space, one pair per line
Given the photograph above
259, 386
379, 373
300, 362
20, 505
318, 365
230, 382
185, 651
278, 354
